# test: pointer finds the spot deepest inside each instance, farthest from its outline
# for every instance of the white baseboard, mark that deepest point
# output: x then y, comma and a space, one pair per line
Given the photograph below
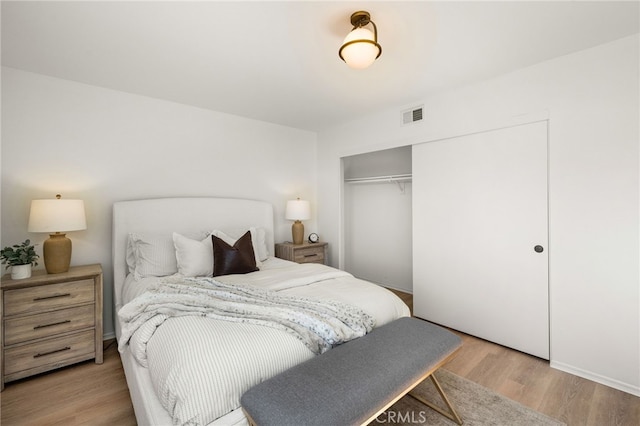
404, 290
108, 336
607, 381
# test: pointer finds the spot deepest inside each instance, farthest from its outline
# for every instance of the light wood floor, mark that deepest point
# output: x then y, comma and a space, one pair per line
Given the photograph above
90, 394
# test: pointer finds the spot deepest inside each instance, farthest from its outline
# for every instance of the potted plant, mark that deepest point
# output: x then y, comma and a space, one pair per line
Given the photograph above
20, 257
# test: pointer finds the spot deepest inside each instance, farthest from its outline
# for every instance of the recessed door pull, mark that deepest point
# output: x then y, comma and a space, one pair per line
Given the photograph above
538, 249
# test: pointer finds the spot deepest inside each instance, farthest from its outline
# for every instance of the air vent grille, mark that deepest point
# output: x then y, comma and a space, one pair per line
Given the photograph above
412, 115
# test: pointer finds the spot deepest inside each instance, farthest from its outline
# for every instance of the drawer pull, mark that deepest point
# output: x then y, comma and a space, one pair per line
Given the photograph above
51, 325
67, 348
55, 296
311, 255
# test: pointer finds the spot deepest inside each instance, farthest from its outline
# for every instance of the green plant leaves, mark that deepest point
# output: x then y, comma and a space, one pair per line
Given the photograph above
19, 254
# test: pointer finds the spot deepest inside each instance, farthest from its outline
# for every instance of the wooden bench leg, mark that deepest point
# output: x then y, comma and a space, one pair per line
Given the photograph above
453, 415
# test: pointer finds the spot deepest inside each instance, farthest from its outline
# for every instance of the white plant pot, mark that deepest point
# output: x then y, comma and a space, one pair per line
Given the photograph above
19, 272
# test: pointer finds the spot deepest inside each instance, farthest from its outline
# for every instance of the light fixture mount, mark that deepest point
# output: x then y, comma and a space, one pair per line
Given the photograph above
360, 48
360, 18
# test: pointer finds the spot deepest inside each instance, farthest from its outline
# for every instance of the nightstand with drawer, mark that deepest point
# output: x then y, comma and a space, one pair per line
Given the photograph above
50, 321
303, 253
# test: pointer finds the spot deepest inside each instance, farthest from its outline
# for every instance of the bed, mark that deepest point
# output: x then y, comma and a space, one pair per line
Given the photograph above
162, 356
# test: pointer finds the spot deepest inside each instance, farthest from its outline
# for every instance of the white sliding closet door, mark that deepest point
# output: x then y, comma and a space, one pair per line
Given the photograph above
479, 222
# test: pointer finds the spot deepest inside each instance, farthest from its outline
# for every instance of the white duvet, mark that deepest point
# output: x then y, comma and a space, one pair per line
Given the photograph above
200, 366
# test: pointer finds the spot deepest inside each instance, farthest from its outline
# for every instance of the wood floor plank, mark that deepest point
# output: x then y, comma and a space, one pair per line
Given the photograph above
91, 394
532, 382
86, 393
613, 407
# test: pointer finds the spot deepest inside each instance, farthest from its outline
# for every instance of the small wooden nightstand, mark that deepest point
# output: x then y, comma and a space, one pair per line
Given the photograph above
50, 321
304, 253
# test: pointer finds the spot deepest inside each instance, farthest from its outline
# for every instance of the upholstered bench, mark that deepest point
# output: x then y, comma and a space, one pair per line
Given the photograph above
355, 382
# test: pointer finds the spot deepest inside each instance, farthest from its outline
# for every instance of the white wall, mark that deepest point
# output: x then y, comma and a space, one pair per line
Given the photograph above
378, 245
102, 146
592, 101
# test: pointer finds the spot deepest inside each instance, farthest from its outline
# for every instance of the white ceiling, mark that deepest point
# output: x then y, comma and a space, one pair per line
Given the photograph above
278, 61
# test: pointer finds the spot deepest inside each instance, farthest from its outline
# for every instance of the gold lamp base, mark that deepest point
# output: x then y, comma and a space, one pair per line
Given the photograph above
297, 232
56, 251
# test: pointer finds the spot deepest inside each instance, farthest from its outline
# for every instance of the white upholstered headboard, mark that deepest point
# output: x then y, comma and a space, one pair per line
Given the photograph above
187, 216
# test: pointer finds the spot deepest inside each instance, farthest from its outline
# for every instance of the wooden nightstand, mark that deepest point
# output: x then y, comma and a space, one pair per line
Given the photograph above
50, 321
304, 253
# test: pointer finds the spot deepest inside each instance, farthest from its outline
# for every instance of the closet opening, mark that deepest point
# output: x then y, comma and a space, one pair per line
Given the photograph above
377, 217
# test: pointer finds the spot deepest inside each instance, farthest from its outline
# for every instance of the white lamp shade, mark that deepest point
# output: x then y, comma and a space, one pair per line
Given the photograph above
298, 210
360, 55
57, 215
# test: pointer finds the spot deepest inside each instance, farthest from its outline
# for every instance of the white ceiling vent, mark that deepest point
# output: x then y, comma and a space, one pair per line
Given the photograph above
412, 115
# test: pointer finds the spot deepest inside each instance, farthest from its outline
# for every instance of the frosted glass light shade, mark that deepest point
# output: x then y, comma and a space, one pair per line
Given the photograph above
298, 210
57, 215
360, 55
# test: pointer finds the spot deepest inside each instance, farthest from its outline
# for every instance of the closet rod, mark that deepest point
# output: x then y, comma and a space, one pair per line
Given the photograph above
374, 179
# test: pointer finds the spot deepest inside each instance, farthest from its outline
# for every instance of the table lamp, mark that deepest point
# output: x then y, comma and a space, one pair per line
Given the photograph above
297, 210
57, 217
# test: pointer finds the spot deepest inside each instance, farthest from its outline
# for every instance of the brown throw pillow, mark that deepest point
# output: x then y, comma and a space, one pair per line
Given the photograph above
239, 259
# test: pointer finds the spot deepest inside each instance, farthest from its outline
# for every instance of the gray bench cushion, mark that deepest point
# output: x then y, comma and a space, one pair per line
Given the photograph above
352, 382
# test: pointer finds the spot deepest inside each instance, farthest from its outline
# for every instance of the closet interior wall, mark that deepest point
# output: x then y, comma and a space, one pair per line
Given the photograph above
378, 217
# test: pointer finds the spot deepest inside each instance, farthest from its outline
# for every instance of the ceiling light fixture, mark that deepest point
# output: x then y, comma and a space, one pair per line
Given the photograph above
360, 48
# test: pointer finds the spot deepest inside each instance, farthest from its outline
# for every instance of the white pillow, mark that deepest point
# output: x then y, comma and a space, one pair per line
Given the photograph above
258, 238
131, 256
195, 258
151, 255
230, 236
261, 244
